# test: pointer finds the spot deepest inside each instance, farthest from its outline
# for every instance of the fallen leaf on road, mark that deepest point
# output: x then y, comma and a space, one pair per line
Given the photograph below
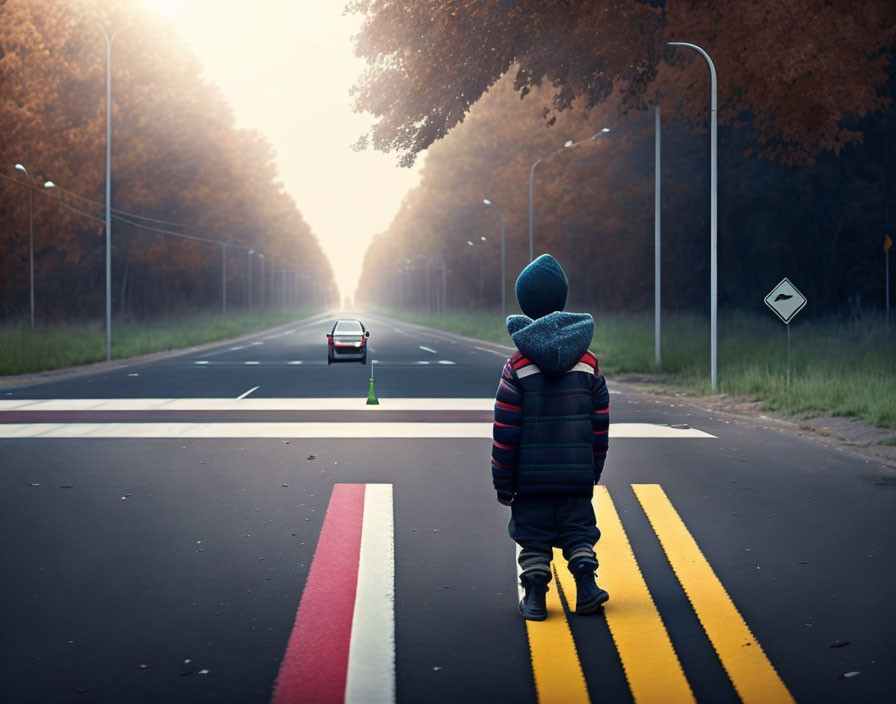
203, 672
33, 484
125, 497
310, 457
145, 667
854, 673
284, 485
840, 644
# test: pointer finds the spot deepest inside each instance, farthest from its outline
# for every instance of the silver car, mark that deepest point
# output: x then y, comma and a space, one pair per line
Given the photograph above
347, 342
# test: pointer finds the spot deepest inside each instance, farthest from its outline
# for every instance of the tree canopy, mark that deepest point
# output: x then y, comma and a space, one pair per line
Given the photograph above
794, 70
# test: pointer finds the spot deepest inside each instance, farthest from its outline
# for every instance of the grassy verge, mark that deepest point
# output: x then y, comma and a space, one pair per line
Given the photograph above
837, 367
66, 345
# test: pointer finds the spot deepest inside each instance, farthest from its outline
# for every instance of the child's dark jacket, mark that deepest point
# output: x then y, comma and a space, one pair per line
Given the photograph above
551, 411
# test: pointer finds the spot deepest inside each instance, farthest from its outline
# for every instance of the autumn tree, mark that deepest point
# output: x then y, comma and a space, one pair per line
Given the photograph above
793, 69
177, 160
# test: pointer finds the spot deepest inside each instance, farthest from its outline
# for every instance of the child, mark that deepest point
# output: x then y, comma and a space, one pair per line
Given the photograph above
550, 438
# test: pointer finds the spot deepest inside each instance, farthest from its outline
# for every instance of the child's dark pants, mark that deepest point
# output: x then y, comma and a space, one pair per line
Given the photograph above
540, 523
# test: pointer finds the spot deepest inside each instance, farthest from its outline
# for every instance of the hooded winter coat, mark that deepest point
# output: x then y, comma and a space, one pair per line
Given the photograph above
552, 412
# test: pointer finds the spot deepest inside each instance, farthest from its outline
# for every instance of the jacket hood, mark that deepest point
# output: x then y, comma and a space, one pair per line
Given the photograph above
554, 342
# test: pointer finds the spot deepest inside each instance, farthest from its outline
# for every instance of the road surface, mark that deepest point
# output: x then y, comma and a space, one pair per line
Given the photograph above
238, 525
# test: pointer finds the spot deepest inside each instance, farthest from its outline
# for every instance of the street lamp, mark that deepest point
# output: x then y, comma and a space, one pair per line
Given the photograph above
713, 212
21, 168
486, 201
567, 144
108, 192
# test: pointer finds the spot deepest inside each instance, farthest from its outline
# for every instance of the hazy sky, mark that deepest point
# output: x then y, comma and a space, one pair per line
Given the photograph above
286, 67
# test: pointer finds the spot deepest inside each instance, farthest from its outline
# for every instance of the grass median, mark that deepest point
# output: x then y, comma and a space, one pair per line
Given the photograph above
844, 368
68, 344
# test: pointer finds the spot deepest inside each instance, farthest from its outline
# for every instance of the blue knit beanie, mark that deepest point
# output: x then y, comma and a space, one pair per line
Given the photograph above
541, 287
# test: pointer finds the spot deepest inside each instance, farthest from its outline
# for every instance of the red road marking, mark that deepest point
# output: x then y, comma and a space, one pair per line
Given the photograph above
316, 661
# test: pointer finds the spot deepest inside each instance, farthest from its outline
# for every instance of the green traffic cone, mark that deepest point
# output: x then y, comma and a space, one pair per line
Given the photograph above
371, 397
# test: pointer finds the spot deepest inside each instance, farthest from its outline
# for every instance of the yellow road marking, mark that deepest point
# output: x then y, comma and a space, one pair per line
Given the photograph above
651, 666
555, 662
751, 673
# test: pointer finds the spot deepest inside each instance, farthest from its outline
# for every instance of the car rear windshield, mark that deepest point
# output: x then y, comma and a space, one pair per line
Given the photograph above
348, 327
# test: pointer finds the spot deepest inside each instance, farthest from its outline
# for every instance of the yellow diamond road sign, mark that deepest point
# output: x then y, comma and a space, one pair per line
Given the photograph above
785, 300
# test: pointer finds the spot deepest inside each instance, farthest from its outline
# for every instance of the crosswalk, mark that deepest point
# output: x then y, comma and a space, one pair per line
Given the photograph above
343, 648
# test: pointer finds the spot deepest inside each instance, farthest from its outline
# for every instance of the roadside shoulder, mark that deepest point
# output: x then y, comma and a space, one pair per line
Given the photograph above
840, 433
96, 367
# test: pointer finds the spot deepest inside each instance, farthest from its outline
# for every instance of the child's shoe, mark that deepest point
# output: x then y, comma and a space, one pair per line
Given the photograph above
589, 596
532, 605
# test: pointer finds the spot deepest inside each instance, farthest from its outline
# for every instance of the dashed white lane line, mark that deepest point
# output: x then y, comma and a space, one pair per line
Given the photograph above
252, 362
362, 430
201, 361
237, 347
427, 349
296, 361
445, 361
485, 349
257, 342
254, 388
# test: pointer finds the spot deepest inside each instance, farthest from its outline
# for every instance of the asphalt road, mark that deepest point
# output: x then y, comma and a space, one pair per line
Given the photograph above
158, 549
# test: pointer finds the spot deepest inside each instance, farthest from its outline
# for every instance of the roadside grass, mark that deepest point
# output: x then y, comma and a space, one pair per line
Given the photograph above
68, 344
837, 367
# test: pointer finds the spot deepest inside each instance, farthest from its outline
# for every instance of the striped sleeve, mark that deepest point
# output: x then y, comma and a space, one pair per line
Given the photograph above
507, 430
600, 421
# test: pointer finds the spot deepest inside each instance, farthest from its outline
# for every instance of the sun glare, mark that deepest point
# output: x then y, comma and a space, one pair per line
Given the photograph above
166, 7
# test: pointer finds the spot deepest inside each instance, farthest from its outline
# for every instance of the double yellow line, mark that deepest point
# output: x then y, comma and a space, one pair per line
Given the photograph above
652, 668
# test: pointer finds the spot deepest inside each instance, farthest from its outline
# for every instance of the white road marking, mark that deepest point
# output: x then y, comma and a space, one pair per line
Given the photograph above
257, 342
484, 349
427, 349
201, 361
371, 656
423, 362
238, 347
253, 362
255, 404
133, 375
445, 361
296, 361
480, 430
254, 388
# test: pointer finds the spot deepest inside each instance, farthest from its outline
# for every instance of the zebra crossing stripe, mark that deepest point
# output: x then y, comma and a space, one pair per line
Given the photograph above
342, 648
371, 661
651, 666
751, 673
555, 661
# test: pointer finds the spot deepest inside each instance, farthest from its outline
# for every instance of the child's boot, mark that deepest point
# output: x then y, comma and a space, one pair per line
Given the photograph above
532, 605
589, 596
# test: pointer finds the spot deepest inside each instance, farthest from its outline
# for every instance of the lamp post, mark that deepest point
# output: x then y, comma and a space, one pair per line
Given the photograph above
21, 168
261, 278
713, 212
223, 279
249, 278
567, 144
108, 192
503, 259
481, 274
